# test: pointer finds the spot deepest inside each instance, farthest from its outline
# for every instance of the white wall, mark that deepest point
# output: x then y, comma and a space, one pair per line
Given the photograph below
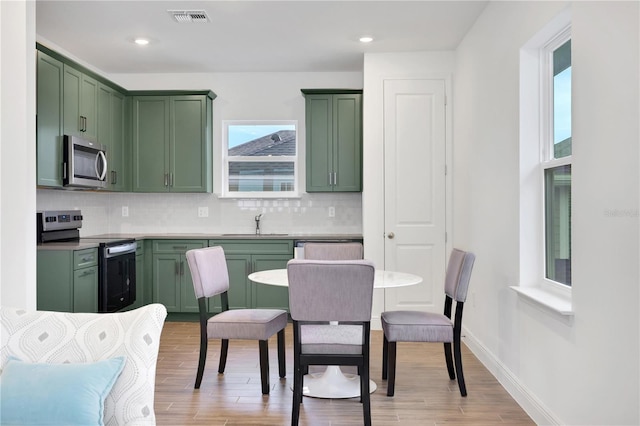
17, 155
250, 96
583, 371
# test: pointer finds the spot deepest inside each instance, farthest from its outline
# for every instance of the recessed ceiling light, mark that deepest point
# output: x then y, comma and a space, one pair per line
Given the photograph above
366, 39
141, 41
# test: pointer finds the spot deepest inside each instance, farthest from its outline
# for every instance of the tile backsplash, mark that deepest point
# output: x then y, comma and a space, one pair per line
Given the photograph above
178, 213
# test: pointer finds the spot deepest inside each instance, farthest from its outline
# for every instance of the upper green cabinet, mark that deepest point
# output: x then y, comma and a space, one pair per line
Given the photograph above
49, 96
80, 113
112, 109
172, 143
74, 101
333, 140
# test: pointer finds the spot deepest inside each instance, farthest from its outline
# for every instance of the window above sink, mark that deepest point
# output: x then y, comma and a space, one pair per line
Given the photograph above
260, 159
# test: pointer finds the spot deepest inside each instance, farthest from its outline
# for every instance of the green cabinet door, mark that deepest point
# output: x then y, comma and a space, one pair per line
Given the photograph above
54, 283
80, 110
172, 143
166, 282
334, 141
85, 290
111, 133
49, 129
190, 150
245, 257
269, 296
347, 143
172, 281
319, 142
150, 143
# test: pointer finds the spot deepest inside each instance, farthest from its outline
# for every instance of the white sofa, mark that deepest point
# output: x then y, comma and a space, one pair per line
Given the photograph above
52, 338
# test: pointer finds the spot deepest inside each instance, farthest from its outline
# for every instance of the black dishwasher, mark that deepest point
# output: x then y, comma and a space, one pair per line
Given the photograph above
117, 275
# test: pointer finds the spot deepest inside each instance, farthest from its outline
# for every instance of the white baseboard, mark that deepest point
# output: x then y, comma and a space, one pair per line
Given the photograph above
528, 401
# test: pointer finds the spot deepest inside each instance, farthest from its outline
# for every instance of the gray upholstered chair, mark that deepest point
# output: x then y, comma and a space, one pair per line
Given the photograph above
333, 251
418, 326
338, 291
211, 278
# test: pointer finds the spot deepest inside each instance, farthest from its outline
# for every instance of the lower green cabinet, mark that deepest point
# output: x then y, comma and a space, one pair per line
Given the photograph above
67, 280
245, 257
172, 282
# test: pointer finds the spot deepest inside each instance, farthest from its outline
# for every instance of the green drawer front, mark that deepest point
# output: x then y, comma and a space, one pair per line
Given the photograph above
177, 246
139, 247
255, 246
84, 258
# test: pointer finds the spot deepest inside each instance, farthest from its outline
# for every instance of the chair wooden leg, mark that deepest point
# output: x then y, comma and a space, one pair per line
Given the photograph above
297, 393
365, 395
264, 365
391, 383
202, 360
224, 348
457, 354
385, 357
282, 363
449, 359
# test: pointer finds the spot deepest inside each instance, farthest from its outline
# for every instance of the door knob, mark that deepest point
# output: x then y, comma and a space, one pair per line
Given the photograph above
390, 235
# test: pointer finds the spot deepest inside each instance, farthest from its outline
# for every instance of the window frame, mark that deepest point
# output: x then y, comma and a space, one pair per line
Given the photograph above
226, 159
547, 158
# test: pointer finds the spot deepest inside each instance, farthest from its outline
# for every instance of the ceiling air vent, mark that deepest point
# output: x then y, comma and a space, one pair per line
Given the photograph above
187, 16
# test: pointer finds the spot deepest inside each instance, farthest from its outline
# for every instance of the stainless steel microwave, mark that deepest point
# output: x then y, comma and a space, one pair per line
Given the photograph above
84, 163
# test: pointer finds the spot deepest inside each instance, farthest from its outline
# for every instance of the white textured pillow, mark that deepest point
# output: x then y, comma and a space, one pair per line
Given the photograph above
59, 337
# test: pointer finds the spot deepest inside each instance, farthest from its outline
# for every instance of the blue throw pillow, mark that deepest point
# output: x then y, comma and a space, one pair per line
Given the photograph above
56, 394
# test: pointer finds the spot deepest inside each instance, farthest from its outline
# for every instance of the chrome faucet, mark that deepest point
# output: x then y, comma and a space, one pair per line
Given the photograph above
258, 217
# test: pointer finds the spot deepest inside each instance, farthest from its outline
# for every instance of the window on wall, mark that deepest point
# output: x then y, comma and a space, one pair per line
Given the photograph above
260, 159
556, 159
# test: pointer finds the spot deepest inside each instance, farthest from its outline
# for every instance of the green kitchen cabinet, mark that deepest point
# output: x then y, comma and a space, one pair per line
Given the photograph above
172, 282
80, 104
112, 108
172, 143
333, 140
49, 97
245, 257
67, 280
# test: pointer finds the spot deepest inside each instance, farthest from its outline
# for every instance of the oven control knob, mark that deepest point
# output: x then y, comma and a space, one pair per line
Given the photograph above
77, 217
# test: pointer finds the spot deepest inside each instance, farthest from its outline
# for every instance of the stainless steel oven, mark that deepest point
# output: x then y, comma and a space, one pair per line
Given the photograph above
117, 279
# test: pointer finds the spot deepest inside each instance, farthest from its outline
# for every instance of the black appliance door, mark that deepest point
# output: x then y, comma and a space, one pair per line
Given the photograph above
118, 289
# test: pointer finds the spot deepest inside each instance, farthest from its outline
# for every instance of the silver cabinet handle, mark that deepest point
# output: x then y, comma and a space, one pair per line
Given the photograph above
335, 178
330, 183
391, 235
171, 179
166, 179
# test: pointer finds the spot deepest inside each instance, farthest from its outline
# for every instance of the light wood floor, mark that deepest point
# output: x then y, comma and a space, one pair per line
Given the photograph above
424, 394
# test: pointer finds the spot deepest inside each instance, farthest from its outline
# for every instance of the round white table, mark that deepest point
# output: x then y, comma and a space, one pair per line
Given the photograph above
333, 383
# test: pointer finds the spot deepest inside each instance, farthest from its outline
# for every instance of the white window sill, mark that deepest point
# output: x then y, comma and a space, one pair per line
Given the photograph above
555, 301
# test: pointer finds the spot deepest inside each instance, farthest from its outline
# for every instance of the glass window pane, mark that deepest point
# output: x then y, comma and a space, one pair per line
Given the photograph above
245, 176
562, 101
261, 140
558, 223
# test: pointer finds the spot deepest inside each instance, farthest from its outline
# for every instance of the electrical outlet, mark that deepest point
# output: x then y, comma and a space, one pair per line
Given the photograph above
203, 211
332, 211
125, 211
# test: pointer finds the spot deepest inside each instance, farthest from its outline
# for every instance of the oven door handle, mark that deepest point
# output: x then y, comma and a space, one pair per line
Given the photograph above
121, 249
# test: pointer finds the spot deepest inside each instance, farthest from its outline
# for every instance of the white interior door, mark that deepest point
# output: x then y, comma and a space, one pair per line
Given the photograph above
415, 193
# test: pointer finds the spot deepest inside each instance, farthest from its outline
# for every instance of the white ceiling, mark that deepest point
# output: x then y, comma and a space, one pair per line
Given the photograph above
251, 36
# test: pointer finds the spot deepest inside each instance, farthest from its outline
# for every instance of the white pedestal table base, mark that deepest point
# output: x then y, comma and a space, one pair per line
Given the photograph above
333, 383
